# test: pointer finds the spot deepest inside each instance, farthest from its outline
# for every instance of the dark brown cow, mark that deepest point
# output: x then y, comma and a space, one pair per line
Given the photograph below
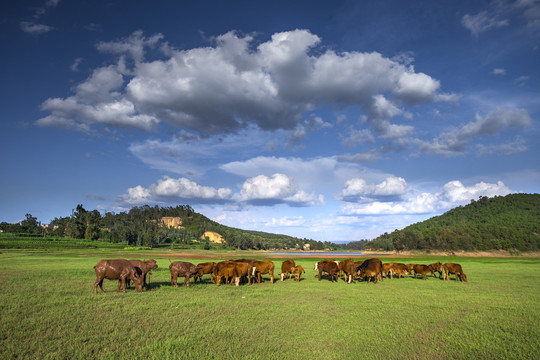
437, 267
146, 266
298, 270
422, 269
263, 267
182, 268
329, 267
371, 268
346, 267
118, 269
287, 267
451, 268
205, 268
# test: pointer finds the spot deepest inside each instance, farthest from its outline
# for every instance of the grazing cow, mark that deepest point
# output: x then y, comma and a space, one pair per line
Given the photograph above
205, 268
387, 268
410, 268
182, 268
263, 267
371, 268
451, 268
298, 270
224, 271
287, 267
437, 267
329, 267
241, 269
395, 268
422, 269
118, 269
146, 266
346, 267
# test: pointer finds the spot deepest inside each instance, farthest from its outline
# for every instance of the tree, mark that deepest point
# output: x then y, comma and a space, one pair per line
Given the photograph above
30, 225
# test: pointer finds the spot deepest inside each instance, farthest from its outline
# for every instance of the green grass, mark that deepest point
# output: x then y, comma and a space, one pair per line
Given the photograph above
48, 311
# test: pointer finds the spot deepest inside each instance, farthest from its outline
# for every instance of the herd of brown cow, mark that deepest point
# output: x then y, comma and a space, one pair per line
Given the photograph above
235, 271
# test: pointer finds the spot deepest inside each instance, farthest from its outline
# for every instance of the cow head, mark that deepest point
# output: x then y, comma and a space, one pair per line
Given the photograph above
151, 264
464, 277
137, 278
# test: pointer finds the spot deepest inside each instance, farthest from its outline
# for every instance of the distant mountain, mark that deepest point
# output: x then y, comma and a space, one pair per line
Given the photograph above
509, 222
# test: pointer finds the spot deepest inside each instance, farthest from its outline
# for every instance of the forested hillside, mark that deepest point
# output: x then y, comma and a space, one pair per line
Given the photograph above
143, 226
509, 222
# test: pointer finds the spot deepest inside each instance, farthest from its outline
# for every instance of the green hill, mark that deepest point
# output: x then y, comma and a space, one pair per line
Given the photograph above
509, 222
145, 226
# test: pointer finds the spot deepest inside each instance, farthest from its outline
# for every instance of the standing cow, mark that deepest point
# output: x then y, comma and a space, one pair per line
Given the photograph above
287, 267
346, 267
451, 268
182, 268
118, 269
371, 268
205, 268
437, 267
263, 267
423, 270
328, 266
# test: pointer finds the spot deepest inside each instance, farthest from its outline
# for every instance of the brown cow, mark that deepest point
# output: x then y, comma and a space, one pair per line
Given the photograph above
437, 267
330, 267
205, 268
451, 268
395, 268
298, 270
224, 269
182, 268
118, 269
287, 267
410, 268
347, 268
241, 269
371, 268
263, 267
422, 269
146, 266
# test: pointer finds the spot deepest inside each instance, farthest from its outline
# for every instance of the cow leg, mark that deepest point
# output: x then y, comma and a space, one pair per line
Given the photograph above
100, 283
186, 280
173, 280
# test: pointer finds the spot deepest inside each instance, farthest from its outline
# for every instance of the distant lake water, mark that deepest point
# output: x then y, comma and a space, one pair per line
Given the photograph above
311, 253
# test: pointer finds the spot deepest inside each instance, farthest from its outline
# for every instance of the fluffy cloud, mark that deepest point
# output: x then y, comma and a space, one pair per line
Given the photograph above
176, 190
359, 190
276, 189
453, 194
236, 83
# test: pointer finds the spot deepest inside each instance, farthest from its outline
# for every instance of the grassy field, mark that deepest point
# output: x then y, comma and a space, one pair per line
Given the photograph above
48, 311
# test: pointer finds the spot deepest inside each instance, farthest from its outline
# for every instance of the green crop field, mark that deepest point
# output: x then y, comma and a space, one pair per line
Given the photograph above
48, 310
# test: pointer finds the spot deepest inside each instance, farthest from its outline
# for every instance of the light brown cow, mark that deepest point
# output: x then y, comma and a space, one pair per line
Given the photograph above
205, 268
263, 267
451, 268
287, 267
298, 270
395, 268
224, 271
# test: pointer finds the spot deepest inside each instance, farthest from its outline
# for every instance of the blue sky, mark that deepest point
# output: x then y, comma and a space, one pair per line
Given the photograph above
330, 120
